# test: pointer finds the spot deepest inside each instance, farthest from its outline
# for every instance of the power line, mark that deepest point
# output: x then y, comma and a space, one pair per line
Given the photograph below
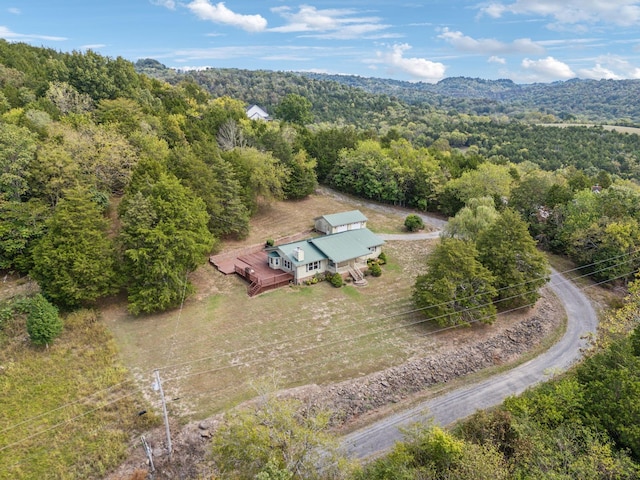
318, 346
66, 422
385, 317
177, 377
69, 404
290, 353
191, 342
300, 337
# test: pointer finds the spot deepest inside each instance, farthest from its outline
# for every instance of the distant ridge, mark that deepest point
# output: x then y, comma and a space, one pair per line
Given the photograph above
598, 101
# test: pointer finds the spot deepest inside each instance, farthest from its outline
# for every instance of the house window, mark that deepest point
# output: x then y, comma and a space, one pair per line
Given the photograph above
373, 249
313, 266
286, 264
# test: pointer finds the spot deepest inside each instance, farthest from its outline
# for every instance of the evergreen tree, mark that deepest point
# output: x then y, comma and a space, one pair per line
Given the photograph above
74, 262
301, 181
457, 289
508, 251
43, 322
164, 237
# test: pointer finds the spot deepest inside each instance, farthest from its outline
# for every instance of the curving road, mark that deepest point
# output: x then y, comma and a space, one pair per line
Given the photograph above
460, 403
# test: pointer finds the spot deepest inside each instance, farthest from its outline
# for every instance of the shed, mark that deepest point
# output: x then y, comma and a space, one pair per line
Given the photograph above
341, 222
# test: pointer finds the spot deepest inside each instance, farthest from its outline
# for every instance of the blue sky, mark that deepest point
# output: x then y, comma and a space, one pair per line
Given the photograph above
523, 40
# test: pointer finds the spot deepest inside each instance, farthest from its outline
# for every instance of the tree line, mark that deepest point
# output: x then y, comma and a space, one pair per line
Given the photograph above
111, 180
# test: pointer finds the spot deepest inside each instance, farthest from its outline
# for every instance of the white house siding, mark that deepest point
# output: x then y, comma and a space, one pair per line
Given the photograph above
322, 225
301, 273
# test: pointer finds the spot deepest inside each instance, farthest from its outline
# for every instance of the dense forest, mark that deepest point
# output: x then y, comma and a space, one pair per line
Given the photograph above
117, 178
498, 131
585, 101
599, 101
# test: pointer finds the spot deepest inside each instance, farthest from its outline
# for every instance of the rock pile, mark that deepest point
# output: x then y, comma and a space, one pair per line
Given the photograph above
353, 398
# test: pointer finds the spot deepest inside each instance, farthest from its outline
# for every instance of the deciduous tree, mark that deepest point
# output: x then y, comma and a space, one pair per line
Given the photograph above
278, 437
294, 108
478, 215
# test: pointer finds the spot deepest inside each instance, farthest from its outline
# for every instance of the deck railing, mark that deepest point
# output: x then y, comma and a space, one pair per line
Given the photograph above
260, 283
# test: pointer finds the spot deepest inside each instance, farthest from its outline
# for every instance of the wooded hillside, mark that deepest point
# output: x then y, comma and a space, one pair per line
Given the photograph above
121, 179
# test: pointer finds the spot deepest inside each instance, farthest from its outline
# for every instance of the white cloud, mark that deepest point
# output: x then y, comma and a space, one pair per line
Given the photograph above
489, 46
219, 13
617, 12
14, 10
262, 51
215, 53
598, 72
494, 59
610, 67
494, 10
328, 23
170, 4
547, 69
418, 68
7, 34
187, 68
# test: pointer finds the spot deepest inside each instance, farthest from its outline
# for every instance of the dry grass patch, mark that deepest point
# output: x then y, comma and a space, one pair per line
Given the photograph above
67, 411
211, 351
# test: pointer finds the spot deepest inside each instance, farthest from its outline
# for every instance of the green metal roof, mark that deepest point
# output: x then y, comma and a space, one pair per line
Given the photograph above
344, 218
344, 246
311, 252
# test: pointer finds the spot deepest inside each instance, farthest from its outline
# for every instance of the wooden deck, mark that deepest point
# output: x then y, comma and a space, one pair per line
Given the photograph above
252, 266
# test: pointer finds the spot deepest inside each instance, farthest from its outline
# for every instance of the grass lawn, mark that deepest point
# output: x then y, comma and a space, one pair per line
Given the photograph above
67, 411
212, 351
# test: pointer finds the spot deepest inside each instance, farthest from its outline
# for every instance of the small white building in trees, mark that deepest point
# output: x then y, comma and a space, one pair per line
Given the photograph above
254, 112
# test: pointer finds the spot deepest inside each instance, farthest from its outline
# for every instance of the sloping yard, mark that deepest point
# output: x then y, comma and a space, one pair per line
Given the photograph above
212, 351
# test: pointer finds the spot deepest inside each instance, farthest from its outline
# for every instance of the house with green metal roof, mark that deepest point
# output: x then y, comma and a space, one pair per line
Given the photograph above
340, 222
346, 253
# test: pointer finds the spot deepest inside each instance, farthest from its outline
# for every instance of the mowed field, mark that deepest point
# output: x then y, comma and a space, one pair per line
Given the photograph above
214, 351
611, 128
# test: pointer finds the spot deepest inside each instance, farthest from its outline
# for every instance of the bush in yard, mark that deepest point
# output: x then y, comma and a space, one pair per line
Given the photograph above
413, 223
43, 322
375, 269
382, 258
336, 280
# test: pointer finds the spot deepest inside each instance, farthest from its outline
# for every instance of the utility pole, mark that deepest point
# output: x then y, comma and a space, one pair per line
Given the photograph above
158, 384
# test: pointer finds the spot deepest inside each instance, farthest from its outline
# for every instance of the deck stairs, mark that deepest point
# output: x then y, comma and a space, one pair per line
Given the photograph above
358, 276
